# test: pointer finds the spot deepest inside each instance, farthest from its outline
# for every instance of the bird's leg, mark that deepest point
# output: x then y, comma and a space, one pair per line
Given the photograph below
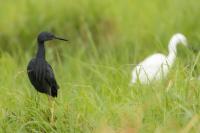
52, 112
52, 104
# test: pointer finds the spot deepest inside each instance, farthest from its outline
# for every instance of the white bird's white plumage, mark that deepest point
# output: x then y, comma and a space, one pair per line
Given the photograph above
156, 66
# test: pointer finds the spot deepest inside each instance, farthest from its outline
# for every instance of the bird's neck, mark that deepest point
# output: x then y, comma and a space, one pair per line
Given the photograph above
41, 51
171, 58
172, 51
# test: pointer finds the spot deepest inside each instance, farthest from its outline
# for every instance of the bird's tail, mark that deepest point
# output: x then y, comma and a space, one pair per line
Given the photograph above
54, 88
54, 91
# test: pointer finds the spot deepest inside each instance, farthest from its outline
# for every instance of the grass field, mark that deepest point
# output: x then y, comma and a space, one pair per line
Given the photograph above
107, 39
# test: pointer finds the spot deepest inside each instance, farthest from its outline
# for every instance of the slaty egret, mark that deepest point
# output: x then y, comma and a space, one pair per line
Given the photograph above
40, 72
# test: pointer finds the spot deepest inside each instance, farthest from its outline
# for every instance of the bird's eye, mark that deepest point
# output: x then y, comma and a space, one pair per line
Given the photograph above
51, 36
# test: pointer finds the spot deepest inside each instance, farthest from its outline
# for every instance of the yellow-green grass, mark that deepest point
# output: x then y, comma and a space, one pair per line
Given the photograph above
107, 39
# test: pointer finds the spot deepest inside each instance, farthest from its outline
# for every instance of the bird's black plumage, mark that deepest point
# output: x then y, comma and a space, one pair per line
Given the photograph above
39, 71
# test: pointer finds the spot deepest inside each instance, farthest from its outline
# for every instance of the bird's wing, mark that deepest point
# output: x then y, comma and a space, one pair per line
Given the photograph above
148, 68
51, 81
50, 78
41, 76
154, 60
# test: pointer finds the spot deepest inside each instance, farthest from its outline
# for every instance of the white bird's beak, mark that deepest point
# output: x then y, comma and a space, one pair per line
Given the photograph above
194, 49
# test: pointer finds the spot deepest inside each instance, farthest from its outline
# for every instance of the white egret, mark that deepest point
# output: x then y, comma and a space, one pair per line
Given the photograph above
156, 66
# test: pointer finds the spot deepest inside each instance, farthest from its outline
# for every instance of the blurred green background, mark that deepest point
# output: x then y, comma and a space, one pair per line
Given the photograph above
107, 38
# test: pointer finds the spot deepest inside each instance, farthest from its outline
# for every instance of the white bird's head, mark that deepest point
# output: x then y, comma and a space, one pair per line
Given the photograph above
180, 38
176, 39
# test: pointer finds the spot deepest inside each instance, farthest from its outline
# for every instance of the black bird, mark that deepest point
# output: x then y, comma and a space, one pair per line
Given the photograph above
39, 71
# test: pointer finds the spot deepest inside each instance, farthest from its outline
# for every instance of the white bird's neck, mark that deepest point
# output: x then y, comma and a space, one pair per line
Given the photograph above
172, 50
175, 40
171, 58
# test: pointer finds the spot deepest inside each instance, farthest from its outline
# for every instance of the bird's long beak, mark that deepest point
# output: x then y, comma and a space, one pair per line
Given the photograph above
59, 38
194, 49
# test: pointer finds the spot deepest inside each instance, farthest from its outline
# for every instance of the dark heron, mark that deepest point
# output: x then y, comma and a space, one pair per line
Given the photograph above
40, 72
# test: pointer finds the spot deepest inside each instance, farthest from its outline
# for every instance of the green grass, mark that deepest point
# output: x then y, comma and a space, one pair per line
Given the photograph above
107, 39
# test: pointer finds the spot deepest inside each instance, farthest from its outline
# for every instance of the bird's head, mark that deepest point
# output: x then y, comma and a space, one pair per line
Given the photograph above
46, 36
180, 38
176, 39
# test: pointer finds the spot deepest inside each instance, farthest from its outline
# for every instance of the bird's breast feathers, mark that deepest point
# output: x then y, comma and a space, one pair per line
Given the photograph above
38, 68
